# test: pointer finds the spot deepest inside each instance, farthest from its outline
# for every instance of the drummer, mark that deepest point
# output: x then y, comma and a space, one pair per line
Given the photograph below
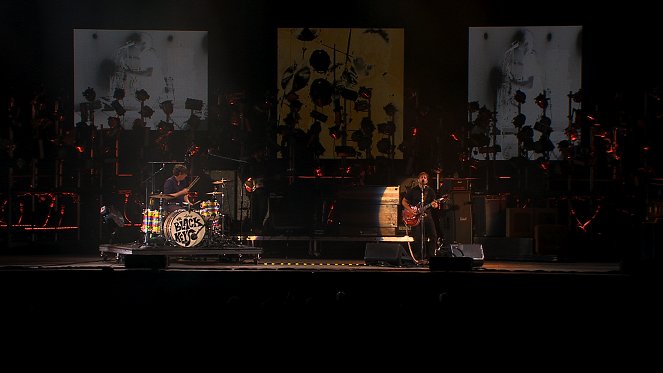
176, 187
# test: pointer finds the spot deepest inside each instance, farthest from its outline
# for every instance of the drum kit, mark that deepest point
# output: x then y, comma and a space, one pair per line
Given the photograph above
188, 227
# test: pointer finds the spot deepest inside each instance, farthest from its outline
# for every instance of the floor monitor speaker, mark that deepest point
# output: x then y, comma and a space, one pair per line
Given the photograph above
385, 253
463, 257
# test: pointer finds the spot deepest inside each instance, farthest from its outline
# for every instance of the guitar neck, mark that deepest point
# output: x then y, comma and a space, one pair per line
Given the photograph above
425, 207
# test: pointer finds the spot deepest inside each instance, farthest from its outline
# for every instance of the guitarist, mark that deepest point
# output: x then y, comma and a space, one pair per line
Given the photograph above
176, 186
416, 197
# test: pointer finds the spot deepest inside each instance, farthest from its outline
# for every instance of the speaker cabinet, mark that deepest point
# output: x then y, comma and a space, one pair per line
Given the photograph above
457, 218
489, 216
385, 253
287, 213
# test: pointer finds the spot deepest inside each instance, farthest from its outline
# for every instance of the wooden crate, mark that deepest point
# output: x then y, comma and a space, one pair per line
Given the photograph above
369, 210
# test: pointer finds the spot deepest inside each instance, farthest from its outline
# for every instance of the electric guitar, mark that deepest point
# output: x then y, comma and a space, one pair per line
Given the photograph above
413, 219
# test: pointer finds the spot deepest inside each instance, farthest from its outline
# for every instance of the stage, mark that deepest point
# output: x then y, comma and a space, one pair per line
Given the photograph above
237, 259
211, 282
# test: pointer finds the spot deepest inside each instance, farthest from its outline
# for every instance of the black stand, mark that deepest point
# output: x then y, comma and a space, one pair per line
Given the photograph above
423, 225
241, 217
148, 229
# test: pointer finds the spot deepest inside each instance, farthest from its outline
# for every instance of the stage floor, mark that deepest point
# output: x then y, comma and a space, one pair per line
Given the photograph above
216, 282
216, 260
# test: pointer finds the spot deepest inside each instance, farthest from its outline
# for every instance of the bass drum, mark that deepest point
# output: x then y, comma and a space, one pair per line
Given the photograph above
184, 228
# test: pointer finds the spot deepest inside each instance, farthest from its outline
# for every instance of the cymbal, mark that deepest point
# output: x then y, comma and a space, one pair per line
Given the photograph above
221, 181
162, 196
214, 193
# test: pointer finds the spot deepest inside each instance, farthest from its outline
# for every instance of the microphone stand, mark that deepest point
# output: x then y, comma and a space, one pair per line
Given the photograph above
148, 228
423, 224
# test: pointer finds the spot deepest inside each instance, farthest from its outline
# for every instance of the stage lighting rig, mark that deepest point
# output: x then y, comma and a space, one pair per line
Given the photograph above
390, 109
385, 146
520, 97
318, 116
90, 94
142, 95
193, 104
118, 94
365, 93
146, 111
167, 107
119, 109
541, 100
577, 96
388, 128
519, 120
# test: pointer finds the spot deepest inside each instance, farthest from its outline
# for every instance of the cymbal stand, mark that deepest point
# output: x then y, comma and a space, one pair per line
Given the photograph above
241, 162
161, 216
222, 217
148, 229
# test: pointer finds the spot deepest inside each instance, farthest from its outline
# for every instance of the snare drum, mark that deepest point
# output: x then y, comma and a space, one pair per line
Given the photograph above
184, 228
210, 209
151, 222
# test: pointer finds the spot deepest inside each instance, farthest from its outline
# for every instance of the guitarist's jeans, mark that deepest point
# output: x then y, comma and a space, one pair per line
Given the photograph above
430, 239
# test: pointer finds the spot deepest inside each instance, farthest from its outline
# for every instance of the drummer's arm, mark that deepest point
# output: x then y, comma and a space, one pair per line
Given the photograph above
184, 192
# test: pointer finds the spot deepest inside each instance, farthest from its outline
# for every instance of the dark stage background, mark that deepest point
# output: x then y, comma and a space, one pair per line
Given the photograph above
621, 63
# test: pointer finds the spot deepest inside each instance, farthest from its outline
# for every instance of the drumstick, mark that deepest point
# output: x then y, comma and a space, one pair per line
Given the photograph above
193, 182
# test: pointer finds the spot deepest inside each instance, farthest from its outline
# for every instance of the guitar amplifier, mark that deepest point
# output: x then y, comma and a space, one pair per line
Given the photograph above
457, 184
457, 218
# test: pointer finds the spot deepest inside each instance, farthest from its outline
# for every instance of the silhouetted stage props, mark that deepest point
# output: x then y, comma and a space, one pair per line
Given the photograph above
141, 256
386, 253
464, 258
